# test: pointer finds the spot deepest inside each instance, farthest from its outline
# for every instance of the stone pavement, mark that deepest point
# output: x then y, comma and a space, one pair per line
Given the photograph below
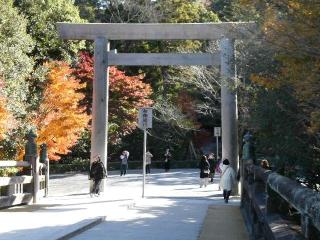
223, 222
174, 208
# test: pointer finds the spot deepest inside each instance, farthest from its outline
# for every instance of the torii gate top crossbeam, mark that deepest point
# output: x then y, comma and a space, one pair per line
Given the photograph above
163, 59
155, 31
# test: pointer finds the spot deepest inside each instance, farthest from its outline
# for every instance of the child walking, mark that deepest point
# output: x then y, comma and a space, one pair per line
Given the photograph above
204, 171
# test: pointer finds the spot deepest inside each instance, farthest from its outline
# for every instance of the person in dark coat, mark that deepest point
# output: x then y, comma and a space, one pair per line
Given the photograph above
204, 171
212, 162
97, 173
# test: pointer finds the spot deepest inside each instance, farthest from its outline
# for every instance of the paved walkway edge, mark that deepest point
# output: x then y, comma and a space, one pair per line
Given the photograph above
83, 228
223, 222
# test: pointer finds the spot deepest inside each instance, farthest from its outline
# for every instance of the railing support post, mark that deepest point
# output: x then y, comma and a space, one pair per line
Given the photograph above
36, 182
47, 177
308, 230
44, 159
271, 200
305, 225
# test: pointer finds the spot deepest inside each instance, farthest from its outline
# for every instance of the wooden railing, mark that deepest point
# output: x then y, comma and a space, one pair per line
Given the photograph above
276, 207
23, 189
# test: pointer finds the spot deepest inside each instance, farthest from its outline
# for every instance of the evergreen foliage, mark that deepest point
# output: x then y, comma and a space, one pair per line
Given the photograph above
278, 83
279, 99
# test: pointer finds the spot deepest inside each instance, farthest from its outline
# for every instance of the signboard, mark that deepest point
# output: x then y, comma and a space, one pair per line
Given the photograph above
217, 131
145, 118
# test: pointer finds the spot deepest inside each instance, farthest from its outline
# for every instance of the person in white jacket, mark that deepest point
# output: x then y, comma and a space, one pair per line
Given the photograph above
148, 161
227, 180
124, 162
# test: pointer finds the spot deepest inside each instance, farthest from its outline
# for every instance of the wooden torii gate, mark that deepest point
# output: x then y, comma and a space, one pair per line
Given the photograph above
101, 33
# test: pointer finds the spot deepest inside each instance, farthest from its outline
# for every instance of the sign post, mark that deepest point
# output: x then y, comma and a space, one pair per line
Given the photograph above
145, 121
217, 134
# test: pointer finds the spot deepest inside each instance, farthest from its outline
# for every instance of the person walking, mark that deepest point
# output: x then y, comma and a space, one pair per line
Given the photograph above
227, 180
204, 171
124, 162
97, 173
167, 159
148, 161
212, 162
218, 166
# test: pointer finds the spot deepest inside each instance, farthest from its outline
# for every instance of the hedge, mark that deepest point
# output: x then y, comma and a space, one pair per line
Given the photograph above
83, 166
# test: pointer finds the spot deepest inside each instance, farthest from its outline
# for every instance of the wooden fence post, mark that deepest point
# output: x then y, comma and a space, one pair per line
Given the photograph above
36, 181
45, 160
47, 177
308, 230
271, 200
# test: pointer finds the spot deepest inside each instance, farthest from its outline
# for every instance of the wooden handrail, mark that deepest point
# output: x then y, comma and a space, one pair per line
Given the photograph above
261, 173
257, 183
6, 181
13, 163
306, 201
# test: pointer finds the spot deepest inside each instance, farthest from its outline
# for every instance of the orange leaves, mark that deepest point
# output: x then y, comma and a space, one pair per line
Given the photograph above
59, 120
291, 29
294, 5
4, 115
266, 82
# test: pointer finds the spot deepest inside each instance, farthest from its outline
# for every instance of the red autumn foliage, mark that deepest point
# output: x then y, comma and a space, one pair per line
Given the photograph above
126, 95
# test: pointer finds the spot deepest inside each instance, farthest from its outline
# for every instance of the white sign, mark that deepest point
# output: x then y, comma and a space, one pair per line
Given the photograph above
145, 118
217, 131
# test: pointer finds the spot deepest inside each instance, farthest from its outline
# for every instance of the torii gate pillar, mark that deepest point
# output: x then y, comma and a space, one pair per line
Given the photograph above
100, 98
100, 32
229, 109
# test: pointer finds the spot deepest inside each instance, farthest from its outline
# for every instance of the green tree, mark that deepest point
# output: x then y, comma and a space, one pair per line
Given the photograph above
15, 62
89, 9
283, 105
42, 18
166, 11
167, 82
15, 67
224, 9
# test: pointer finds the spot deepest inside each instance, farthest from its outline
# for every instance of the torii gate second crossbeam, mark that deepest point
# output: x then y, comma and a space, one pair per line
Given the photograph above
101, 33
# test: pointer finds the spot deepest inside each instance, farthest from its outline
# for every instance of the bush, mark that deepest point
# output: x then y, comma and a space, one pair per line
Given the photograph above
83, 165
8, 172
77, 165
